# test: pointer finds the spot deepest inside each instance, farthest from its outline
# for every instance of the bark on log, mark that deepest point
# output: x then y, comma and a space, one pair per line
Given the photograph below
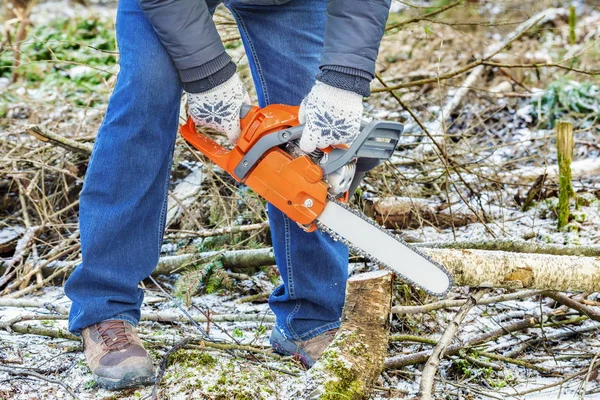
515, 246
354, 360
480, 268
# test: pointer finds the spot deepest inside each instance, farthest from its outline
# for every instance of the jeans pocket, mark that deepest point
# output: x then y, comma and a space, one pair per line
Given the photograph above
264, 2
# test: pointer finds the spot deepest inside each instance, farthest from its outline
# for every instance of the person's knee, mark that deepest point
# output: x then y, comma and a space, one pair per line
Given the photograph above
151, 74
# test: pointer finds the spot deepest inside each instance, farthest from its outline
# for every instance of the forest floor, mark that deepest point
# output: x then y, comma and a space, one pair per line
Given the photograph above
499, 135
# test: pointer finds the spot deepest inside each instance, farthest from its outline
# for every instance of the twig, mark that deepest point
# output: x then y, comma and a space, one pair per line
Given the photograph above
558, 383
46, 136
22, 372
426, 386
163, 365
519, 31
575, 305
404, 310
223, 231
424, 16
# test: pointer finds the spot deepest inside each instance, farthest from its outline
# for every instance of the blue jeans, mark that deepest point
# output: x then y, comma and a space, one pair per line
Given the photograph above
124, 197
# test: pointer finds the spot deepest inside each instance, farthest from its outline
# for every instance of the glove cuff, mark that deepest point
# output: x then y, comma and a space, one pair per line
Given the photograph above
211, 81
346, 79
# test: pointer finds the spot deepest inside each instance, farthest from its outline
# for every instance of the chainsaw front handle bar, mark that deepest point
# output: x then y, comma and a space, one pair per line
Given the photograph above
376, 143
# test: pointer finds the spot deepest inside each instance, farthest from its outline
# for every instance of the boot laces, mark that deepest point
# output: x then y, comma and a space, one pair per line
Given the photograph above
114, 335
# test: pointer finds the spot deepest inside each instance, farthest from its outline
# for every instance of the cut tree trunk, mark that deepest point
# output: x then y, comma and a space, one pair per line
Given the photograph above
352, 363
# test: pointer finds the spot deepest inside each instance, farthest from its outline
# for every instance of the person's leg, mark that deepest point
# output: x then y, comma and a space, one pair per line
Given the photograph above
283, 43
123, 201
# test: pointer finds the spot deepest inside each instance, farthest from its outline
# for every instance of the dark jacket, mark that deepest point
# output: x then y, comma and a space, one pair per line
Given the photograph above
187, 31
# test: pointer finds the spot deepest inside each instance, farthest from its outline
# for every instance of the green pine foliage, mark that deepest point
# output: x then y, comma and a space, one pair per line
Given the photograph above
203, 278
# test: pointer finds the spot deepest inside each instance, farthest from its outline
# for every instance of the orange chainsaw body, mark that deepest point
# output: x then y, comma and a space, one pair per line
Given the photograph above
293, 185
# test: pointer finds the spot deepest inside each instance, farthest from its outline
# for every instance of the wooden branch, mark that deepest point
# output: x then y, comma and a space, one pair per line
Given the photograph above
352, 363
162, 316
574, 304
252, 258
516, 246
431, 367
404, 310
72, 145
24, 372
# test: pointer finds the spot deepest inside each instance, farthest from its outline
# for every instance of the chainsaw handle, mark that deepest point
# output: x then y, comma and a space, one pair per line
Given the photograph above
265, 143
374, 144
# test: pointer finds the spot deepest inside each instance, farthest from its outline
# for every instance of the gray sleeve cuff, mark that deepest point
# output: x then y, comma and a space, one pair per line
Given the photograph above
205, 70
358, 83
211, 81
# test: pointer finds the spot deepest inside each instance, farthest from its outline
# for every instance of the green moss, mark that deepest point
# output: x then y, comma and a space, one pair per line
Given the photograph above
345, 385
191, 358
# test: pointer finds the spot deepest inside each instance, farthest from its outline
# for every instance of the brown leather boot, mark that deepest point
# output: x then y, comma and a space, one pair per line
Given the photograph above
307, 352
115, 355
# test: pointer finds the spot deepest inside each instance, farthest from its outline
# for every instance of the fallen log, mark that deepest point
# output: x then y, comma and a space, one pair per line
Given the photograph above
474, 268
409, 213
352, 363
481, 268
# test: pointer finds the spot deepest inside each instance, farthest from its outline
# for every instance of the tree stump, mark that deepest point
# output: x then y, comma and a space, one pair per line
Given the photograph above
352, 363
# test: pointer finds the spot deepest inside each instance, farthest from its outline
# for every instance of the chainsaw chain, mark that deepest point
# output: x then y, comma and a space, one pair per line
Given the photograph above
337, 237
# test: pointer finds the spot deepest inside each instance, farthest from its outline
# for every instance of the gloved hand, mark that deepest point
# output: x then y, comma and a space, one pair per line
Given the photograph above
330, 116
219, 107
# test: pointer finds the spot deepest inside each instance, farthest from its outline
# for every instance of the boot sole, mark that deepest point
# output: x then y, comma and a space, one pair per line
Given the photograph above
129, 380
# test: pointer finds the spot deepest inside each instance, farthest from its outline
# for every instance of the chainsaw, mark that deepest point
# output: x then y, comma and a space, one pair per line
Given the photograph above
313, 189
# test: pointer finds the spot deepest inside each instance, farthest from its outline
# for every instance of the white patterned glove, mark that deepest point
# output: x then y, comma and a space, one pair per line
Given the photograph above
330, 116
219, 107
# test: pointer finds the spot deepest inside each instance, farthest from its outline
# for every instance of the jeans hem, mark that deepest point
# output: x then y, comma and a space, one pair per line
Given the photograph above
118, 317
312, 333
123, 317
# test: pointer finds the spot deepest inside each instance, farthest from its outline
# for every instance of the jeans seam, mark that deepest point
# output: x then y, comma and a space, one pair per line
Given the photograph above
290, 274
288, 322
288, 257
163, 212
317, 331
263, 83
